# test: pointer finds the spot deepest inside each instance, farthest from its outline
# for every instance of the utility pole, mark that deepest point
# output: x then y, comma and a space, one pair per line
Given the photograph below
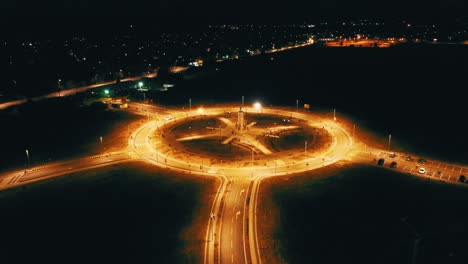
334, 114
297, 105
242, 101
190, 104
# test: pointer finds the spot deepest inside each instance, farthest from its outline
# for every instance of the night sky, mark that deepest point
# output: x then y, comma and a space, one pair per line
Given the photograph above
181, 12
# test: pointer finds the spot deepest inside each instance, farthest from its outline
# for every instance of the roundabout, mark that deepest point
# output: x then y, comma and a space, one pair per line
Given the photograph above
232, 141
240, 147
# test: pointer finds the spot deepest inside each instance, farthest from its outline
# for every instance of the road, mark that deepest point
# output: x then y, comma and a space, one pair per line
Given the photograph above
28, 175
72, 91
231, 231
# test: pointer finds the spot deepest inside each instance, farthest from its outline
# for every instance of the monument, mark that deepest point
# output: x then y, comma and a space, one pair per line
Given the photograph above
240, 125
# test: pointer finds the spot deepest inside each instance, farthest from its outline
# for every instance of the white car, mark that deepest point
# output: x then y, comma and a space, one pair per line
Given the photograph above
422, 170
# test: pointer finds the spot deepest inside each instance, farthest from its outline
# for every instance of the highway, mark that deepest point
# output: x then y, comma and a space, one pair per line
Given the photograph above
231, 229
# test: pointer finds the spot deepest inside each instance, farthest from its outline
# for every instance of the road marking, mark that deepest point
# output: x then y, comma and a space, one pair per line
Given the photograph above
232, 258
237, 214
242, 191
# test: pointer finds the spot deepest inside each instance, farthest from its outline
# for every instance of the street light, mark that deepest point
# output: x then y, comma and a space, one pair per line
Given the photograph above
334, 114
27, 155
389, 140
212, 217
252, 157
59, 84
257, 106
305, 148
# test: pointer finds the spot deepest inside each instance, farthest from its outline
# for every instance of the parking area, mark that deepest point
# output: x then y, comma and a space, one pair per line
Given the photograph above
412, 165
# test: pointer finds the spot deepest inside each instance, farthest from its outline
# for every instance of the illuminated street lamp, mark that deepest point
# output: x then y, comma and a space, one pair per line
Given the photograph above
257, 106
140, 84
212, 217
305, 147
253, 157
389, 140
27, 155
59, 84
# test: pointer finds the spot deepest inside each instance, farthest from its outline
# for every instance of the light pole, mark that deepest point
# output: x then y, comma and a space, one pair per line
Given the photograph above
27, 155
305, 147
275, 166
389, 140
297, 105
252, 157
100, 138
212, 217
190, 104
334, 114
59, 83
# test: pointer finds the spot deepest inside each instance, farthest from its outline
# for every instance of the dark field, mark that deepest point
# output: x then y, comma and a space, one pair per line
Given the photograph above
60, 128
364, 215
133, 213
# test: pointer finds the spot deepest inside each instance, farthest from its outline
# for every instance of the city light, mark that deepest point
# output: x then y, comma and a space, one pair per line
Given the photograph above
200, 110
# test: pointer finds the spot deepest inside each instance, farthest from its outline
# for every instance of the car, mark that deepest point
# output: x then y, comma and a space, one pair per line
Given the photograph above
422, 170
392, 155
408, 158
393, 164
421, 160
380, 162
